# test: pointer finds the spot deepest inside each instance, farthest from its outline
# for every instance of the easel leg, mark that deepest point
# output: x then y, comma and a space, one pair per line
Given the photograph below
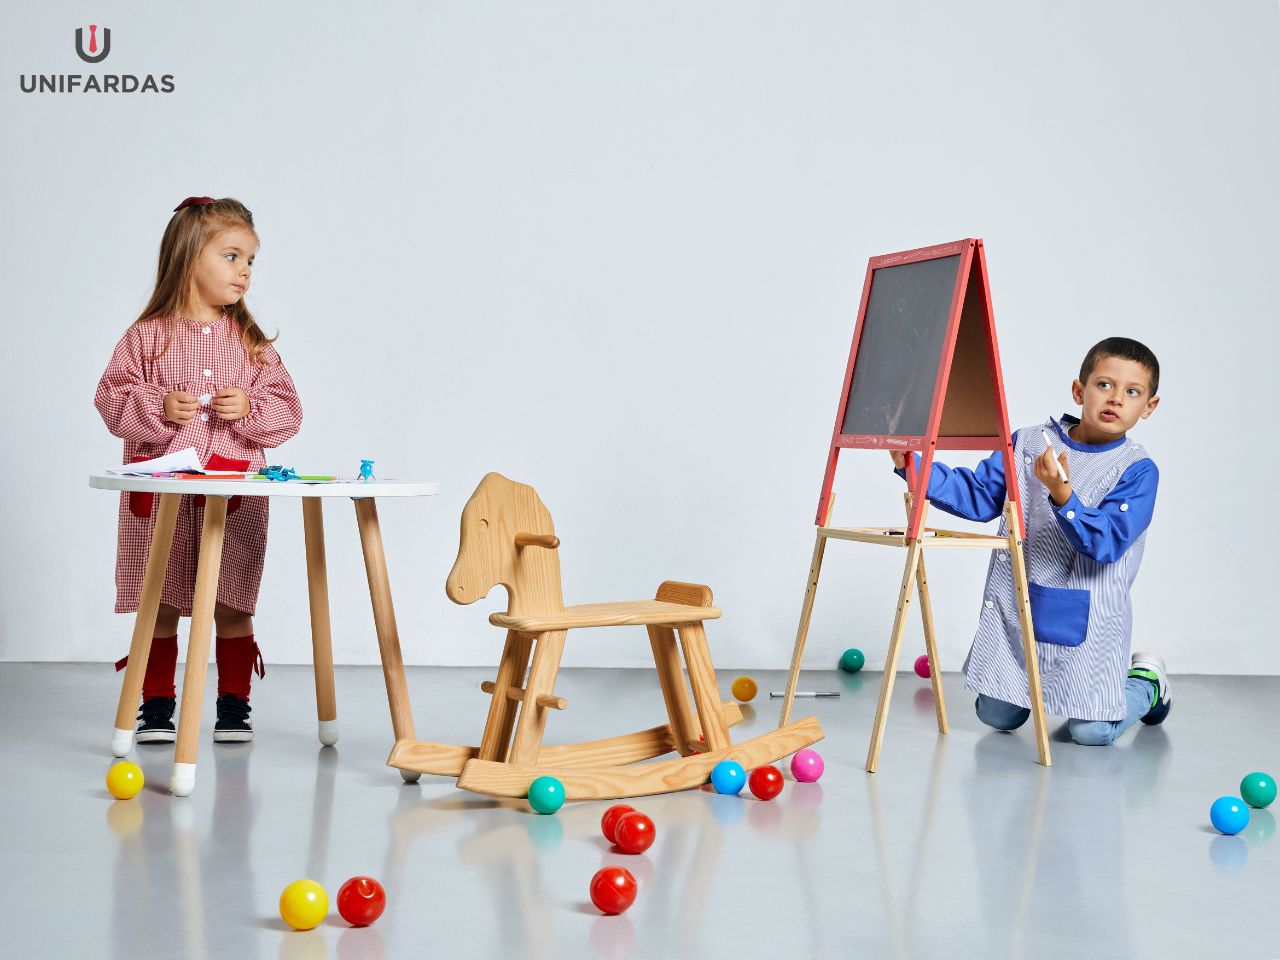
1023, 600
802, 632
702, 677
321, 631
666, 657
183, 780
384, 620
930, 638
496, 740
547, 650
144, 625
895, 648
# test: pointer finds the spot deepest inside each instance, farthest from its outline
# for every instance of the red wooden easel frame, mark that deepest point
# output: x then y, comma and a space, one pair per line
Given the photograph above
970, 302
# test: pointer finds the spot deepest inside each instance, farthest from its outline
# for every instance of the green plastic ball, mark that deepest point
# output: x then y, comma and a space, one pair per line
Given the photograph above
851, 660
546, 795
1258, 789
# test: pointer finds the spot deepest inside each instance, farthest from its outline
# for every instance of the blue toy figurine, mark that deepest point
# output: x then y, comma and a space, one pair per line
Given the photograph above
278, 473
366, 472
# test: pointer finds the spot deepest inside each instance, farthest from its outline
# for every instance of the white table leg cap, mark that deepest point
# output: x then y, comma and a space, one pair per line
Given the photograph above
183, 780
328, 732
121, 742
410, 776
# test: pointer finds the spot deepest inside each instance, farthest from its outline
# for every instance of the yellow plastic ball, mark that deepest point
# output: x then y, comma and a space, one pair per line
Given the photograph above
744, 689
303, 904
124, 780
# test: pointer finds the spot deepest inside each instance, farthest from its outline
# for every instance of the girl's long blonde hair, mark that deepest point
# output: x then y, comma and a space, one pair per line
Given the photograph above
184, 238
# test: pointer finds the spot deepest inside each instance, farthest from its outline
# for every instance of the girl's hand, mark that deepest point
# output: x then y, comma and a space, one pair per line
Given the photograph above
899, 459
180, 407
230, 403
1047, 473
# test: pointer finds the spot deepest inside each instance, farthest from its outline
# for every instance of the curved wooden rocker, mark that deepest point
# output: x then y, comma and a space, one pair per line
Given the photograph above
508, 538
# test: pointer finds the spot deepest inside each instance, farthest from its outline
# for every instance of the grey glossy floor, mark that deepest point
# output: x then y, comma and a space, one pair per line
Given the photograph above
961, 846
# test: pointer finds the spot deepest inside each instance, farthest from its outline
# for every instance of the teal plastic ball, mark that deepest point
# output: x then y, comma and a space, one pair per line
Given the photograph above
852, 660
1258, 789
728, 777
1229, 815
546, 795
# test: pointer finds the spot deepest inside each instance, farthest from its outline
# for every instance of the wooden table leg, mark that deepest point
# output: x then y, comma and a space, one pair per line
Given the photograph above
384, 620
144, 625
802, 632
321, 631
895, 649
183, 780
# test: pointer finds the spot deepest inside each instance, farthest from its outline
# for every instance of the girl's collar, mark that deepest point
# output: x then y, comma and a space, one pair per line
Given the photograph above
201, 323
1067, 421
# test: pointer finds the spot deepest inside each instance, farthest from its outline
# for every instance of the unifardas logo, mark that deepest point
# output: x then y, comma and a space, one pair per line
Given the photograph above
95, 52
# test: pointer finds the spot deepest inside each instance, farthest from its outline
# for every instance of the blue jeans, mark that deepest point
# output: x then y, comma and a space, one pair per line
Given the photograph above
1090, 733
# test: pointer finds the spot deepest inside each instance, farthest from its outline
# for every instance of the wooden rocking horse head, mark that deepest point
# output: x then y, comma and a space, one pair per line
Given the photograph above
507, 538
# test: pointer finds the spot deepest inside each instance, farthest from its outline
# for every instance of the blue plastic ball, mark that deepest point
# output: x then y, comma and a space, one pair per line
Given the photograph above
1229, 815
546, 795
728, 777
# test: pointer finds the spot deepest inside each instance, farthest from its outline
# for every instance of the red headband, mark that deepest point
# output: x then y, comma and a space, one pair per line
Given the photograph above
192, 202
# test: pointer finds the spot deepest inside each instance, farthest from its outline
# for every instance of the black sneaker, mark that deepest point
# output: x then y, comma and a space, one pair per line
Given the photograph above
234, 725
155, 721
1150, 667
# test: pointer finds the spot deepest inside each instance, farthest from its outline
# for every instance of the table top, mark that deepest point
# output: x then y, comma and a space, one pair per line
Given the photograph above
266, 488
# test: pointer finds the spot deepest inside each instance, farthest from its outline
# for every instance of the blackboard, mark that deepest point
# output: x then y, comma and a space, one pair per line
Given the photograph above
900, 348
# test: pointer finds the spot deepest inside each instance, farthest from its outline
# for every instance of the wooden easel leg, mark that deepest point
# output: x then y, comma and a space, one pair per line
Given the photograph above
183, 779
547, 650
930, 638
666, 657
384, 620
891, 660
144, 624
496, 740
702, 677
1023, 600
802, 632
321, 631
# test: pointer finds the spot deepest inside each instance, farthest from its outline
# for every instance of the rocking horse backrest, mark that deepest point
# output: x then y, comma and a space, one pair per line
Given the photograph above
488, 554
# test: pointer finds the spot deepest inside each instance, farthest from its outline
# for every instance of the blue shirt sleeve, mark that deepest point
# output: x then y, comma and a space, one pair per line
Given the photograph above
977, 494
1103, 533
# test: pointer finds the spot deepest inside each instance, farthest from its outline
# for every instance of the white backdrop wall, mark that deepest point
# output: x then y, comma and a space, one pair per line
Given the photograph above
615, 250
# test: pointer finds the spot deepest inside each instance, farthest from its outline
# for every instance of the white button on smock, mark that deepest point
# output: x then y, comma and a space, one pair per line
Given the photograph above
988, 604
207, 330
1124, 507
208, 372
204, 416
1071, 514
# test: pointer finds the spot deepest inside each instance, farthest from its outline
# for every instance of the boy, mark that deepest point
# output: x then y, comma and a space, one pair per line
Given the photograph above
1084, 542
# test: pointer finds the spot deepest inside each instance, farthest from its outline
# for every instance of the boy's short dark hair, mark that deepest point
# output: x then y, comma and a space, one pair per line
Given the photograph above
1125, 349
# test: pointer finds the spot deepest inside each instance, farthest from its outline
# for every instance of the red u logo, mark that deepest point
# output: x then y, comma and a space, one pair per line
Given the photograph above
93, 56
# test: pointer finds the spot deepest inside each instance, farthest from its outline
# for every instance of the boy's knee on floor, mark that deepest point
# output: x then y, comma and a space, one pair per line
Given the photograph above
1000, 715
1091, 733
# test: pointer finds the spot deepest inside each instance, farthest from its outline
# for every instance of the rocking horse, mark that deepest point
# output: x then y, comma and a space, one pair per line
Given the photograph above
508, 538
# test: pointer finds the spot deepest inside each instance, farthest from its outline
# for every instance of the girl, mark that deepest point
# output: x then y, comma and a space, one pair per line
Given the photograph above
196, 370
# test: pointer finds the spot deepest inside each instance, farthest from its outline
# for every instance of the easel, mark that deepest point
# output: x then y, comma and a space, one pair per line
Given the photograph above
921, 305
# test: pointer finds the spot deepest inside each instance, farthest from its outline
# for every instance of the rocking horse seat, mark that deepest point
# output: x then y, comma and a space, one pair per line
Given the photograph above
620, 614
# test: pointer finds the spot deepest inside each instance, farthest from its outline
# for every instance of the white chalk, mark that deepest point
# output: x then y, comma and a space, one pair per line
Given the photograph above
1056, 462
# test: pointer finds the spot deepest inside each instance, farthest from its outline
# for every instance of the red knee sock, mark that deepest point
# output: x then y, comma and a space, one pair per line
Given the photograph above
238, 658
158, 680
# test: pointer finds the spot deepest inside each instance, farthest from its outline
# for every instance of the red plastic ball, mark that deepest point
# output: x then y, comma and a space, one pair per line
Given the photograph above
361, 901
765, 782
634, 833
922, 666
609, 822
613, 889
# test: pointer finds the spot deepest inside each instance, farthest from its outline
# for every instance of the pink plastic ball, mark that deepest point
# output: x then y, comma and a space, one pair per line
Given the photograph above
922, 666
807, 766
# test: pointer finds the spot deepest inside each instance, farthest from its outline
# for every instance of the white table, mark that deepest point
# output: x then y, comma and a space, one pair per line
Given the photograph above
217, 493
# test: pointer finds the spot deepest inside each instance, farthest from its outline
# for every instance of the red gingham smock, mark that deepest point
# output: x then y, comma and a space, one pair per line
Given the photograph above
202, 359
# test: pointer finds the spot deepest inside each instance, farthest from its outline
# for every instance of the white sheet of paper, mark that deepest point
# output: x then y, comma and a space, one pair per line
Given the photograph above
170, 462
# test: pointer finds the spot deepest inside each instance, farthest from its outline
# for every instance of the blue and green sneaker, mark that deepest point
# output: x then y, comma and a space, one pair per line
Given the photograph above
1150, 667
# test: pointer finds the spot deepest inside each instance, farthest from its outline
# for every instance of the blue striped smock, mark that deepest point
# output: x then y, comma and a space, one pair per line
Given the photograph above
1081, 558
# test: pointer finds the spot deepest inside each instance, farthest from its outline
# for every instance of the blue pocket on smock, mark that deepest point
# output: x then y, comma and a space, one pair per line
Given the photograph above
1059, 615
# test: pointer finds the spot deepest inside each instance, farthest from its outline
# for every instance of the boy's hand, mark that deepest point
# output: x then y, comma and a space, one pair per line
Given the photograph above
899, 459
230, 403
180, 407
1047, 473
